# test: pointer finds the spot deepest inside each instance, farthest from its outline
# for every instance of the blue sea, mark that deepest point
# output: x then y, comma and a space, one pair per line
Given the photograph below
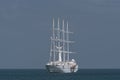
39, 74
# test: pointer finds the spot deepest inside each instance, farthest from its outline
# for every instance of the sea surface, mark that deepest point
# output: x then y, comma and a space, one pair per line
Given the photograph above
39, 74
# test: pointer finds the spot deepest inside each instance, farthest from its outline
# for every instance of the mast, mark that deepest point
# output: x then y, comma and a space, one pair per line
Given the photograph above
51, 48
63, 33
58, 33
67, 36
59, 47
53, 42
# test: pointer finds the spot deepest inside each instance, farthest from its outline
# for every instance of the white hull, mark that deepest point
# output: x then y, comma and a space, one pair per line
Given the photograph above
63, 67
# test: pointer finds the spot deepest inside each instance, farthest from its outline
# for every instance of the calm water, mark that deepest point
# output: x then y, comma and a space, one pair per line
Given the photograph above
37, 74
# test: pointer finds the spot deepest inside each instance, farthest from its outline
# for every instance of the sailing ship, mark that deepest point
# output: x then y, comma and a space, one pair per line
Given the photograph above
59, 61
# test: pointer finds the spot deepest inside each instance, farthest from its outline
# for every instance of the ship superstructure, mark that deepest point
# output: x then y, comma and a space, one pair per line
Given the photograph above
59, 52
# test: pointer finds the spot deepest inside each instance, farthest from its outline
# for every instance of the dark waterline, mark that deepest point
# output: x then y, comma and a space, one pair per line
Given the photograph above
42, 74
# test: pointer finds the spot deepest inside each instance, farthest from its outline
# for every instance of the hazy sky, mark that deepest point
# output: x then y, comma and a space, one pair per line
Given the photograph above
25, 27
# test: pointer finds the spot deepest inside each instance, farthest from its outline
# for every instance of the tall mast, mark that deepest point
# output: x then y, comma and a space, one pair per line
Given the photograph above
59, 47
63, 31
58, 33
67, 35
53, 40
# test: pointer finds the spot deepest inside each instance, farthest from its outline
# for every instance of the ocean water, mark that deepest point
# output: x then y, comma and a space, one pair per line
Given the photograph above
39, 74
